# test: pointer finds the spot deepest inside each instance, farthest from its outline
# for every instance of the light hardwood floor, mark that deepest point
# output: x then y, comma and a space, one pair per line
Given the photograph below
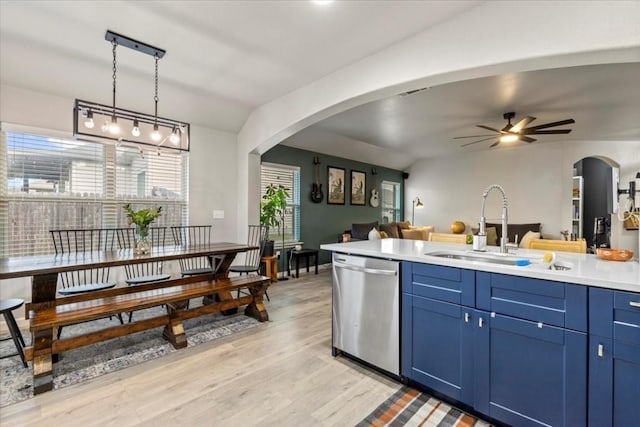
280, 373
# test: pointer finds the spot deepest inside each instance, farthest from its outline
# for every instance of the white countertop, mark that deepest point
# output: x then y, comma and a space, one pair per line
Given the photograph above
586, 269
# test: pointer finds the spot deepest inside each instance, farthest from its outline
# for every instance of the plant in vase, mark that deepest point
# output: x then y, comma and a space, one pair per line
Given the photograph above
272, 211
142, 219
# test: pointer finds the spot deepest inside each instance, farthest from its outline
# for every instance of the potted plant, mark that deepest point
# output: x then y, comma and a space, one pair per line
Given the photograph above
142, 219
272, 210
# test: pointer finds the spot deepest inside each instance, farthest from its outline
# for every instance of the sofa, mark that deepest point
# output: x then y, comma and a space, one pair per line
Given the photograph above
525, 232
396, 230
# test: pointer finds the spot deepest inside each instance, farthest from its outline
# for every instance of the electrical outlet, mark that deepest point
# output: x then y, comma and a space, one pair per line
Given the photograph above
278, 254
218, 214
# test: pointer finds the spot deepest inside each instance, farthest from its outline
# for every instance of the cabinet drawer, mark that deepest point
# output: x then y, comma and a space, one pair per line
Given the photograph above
552, 303
615, 314
448, 284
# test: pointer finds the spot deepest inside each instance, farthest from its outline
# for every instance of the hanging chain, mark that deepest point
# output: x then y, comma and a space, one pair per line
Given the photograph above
115, 44
155, 98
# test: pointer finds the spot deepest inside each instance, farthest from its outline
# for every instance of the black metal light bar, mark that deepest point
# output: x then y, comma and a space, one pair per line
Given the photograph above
101, 112
134, 44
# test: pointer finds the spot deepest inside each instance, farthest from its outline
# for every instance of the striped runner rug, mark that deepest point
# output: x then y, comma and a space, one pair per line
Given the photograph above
409, 407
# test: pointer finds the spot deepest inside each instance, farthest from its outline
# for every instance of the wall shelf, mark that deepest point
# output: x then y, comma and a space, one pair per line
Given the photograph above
577, 204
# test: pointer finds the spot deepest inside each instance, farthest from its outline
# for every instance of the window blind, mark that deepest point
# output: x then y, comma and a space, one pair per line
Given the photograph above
57, 183
288, 177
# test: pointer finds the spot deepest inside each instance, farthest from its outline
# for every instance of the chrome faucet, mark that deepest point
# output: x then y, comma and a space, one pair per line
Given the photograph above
483, 220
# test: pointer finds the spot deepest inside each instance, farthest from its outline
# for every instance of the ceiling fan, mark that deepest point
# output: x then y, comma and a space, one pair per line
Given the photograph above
519, 131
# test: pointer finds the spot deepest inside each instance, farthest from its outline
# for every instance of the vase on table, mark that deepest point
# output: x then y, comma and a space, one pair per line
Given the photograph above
143, 242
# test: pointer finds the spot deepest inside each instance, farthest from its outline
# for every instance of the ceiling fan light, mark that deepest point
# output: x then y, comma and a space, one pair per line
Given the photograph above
509, 138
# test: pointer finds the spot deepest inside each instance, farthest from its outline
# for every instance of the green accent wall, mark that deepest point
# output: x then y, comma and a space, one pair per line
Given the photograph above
321, 222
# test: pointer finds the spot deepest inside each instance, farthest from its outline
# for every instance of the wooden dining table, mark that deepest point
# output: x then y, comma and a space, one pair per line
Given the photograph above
44, 271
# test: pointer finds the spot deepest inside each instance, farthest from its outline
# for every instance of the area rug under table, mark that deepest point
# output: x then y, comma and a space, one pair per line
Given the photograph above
409, 407
75, 366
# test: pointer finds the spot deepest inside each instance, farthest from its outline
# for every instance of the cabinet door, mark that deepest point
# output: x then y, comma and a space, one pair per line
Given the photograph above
528, 373
437, 344
614, 383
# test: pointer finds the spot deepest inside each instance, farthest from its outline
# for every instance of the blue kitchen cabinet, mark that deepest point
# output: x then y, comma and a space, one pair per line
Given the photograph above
437, 342
614, 358
514, 348
529, 373
437, 329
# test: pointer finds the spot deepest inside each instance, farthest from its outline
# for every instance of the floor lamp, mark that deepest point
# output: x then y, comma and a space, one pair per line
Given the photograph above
415, 204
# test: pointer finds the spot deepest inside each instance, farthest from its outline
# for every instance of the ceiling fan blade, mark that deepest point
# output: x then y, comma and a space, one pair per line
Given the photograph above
471, 136
548, 125
544, 132
521, 124
526, 138
495, 143
488, 128
475, 142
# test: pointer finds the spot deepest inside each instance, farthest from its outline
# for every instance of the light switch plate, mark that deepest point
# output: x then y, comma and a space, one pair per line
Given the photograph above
218, 214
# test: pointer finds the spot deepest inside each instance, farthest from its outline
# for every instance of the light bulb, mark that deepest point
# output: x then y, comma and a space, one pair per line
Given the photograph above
114, 128
509, 138
136, 129
88, 123
174, 138
155, 135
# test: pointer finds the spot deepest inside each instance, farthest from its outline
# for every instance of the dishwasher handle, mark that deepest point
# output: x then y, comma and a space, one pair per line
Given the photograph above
365, 270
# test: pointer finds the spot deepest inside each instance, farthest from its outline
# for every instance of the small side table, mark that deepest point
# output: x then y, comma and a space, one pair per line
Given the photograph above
303, 253
270, 267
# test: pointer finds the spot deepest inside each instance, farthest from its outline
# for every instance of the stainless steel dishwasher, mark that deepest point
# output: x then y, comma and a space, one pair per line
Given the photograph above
366, 310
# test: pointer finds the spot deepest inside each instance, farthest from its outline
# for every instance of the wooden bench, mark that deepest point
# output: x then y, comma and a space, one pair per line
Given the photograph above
174, 294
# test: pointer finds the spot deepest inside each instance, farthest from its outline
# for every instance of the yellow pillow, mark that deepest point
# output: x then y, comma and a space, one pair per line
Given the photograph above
383, 234
524, 243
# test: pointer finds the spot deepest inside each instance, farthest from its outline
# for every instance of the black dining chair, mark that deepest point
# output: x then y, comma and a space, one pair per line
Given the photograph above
142, 272
191, 236
257, 234
86, 243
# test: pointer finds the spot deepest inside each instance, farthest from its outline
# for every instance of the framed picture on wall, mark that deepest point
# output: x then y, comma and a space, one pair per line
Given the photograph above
358, 187
335, 185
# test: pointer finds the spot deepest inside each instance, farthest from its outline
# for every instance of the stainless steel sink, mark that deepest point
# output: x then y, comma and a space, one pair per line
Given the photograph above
468, 256
504, 259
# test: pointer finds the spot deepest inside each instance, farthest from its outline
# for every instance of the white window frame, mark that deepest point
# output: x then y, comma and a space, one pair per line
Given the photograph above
107, 205
293, 205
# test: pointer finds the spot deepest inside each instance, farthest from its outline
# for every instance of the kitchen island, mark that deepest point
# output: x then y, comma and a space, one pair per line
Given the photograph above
522, 344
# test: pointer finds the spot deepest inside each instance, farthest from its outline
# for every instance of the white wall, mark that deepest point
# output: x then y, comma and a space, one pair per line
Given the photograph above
536, 179
466, 46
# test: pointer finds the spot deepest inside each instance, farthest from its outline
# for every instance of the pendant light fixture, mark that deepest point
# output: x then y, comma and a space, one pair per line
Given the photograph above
126, 126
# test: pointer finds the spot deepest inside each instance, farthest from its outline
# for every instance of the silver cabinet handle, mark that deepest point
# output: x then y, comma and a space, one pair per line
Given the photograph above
480, 322
634, 304
466, 317
600, 350
366, 270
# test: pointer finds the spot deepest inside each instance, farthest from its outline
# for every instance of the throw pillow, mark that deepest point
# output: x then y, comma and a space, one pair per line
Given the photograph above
391, 229
403, 225
383, 235
373, 234
361, 231
524, 243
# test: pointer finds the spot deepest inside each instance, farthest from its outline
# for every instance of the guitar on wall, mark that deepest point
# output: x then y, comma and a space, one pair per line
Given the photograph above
373, 200
316, 187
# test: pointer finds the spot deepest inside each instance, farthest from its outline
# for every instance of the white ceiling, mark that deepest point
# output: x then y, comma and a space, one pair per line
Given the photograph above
225, 58
604, 100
